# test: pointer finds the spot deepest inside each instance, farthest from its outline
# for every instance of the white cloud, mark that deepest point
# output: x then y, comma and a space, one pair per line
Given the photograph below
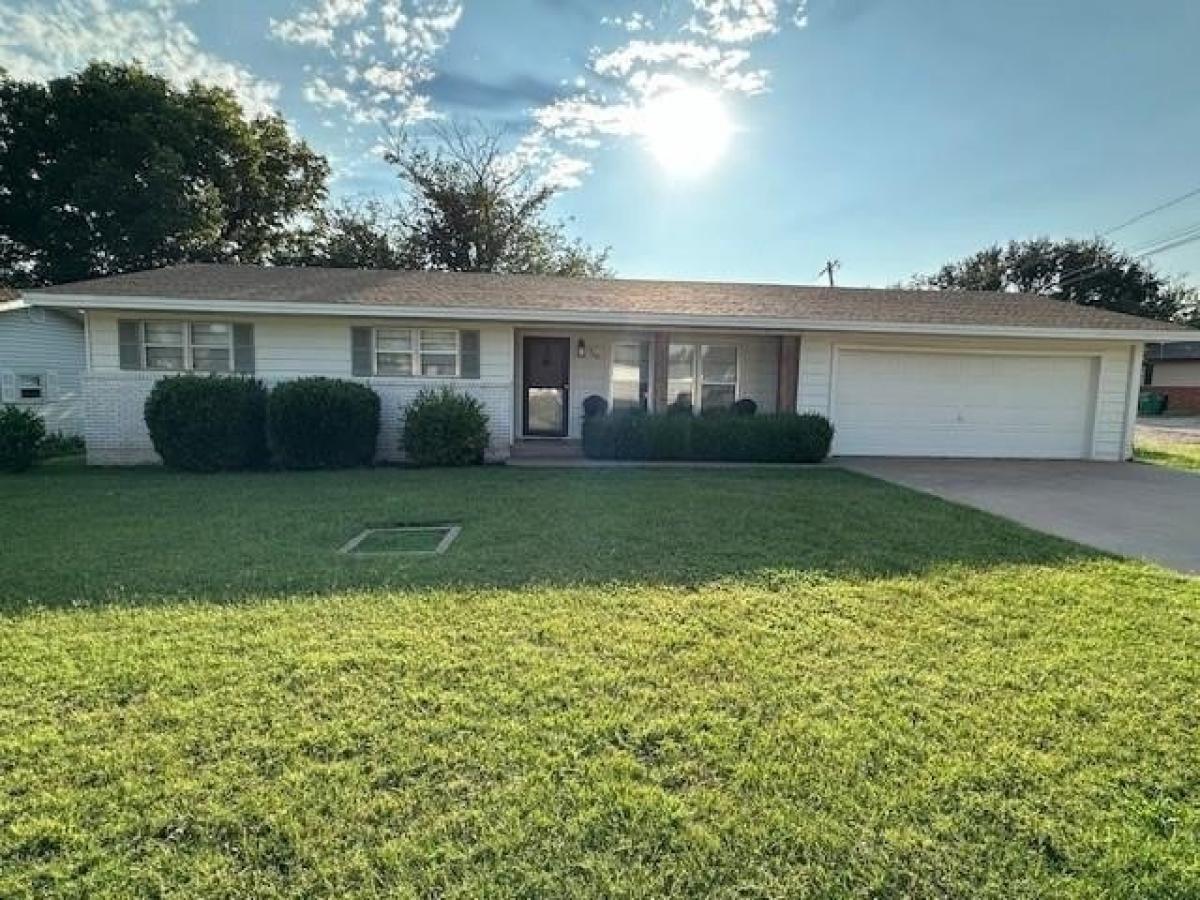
381, 53
41, 40
712, 53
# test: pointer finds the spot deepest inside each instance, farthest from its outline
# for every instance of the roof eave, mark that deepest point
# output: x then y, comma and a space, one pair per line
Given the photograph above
585, 317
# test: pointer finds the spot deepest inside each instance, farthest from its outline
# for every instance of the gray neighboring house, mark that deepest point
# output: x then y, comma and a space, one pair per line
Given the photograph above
899, 372
42, 363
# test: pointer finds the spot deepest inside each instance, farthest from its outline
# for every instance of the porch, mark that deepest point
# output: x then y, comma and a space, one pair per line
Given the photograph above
558, 369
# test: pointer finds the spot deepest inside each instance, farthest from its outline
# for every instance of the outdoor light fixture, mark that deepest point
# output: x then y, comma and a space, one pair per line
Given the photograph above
581, 349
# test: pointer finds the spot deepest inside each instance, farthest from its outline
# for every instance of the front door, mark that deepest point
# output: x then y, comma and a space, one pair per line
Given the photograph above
547, 368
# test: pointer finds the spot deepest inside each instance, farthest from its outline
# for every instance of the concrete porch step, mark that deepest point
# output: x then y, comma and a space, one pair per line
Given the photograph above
547, 448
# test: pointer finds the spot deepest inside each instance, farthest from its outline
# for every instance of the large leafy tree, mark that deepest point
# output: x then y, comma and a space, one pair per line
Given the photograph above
1087, 272
113, 170
470, 207
349, 234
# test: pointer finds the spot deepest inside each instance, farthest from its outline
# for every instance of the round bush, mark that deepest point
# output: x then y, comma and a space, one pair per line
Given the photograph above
594, 405
21, 433
445, 428
208, 423
745, 407
323, 423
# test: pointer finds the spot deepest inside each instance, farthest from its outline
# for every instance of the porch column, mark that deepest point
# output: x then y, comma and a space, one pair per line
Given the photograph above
788, 373
658, 371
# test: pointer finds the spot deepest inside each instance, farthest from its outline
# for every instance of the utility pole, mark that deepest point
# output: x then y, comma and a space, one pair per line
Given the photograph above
831, 265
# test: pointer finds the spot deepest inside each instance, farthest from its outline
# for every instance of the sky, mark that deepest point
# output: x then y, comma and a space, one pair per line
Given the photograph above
747, 140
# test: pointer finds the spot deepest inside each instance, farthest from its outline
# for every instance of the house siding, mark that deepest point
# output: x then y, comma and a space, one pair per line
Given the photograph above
285, 348
51, 344
1112, 399
1178, 373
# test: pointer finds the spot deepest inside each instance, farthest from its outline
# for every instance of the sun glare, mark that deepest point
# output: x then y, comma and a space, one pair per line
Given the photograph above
687, 130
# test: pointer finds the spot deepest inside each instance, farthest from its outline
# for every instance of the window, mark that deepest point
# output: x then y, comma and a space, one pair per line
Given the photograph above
31, 387
630, 388
394, 351
173, 346
212, 346
163, 345
431, 352
703, 376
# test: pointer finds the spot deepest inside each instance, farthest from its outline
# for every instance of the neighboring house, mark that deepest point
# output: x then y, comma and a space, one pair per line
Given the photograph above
1174, 370
898, 372
41, 363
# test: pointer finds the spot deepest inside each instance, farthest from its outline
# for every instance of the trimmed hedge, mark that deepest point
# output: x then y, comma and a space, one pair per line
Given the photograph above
445, 428
208, 423
323, 423
21, 434
782, 437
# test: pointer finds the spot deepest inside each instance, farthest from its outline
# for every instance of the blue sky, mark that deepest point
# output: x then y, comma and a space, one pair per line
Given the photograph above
893, 135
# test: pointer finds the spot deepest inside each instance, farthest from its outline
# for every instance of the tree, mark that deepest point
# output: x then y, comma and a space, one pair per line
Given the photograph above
350, 234
470, 207
113, 170
1090, 273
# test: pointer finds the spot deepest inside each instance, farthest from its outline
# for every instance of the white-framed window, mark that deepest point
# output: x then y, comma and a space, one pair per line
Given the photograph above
177, 346
702, 376
629, 386
31, 388
428, 352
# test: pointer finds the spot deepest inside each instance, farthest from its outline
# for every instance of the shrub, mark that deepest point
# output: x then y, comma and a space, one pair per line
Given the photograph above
208, 423
782, 437
323, 423
594, 405
445, 428
59, 444
745, 407
21, 433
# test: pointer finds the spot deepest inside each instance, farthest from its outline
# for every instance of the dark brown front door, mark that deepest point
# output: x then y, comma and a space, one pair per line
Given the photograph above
546, 367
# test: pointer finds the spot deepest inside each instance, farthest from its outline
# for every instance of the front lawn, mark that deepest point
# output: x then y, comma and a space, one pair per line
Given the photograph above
616, 683
1176, 454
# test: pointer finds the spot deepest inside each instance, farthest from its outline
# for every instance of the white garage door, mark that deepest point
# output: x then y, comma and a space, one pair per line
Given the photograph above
897, 403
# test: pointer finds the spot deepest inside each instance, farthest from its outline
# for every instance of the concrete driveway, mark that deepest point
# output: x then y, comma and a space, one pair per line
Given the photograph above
1131, 509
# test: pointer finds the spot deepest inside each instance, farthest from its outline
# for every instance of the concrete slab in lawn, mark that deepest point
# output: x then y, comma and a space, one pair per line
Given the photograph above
1143, 511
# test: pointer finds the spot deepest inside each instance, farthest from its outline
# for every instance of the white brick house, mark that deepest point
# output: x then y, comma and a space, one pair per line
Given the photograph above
899, 372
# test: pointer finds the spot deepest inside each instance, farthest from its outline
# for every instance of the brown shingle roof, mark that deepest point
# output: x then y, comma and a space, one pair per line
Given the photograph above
542, 296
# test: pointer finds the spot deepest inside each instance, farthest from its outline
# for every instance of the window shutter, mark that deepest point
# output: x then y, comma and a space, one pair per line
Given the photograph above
243, 347
129, 334
360, 351
50, 387
469, 347
8, 387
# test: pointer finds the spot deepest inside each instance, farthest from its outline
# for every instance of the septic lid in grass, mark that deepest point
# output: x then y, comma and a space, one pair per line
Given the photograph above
405, 540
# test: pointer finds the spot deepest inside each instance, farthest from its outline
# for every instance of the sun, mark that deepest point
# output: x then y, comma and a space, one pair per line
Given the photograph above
686, 129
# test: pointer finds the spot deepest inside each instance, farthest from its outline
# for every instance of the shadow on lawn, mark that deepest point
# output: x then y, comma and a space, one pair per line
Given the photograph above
150, 536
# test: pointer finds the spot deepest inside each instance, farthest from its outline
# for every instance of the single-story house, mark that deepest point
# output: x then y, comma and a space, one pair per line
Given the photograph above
41, 363
899, 372
1174, 370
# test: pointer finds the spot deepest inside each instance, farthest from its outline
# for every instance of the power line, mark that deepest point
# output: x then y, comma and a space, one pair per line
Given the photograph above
1145, 215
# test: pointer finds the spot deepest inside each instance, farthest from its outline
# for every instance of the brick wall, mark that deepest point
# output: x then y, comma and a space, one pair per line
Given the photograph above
1179, 399
116, 433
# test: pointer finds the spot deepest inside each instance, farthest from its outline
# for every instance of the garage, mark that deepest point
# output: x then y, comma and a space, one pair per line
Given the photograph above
894, 402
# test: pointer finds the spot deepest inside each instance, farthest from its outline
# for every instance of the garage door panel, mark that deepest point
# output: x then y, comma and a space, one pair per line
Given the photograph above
902, 403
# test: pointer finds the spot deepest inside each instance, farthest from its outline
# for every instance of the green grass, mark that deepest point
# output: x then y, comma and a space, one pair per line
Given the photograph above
617, 683
1175, 454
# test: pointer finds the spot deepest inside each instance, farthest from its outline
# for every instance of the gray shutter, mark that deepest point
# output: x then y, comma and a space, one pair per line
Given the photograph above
50, 388
129, 334
360, 351
8, 387
469, 346
243, 347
